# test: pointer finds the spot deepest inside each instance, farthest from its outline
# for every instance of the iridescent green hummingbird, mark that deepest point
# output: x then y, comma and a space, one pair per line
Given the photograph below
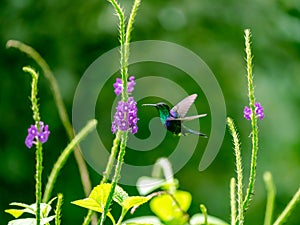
173, 119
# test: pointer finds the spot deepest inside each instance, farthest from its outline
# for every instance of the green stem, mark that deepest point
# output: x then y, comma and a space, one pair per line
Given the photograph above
124, 137
250, 189
232, 201
123, 213
88, 218
270, 197
64, 156
84, 175
125, 48
289, 208
58, 209
239, 170
111, 159
38, 180
204, 212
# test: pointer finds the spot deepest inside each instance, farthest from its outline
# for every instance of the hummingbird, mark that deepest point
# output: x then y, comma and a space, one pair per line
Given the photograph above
173, 119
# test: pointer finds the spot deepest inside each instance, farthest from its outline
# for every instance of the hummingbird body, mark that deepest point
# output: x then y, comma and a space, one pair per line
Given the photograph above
173, 119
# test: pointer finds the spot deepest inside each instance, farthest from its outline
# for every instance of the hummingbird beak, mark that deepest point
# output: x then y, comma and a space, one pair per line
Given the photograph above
149, 105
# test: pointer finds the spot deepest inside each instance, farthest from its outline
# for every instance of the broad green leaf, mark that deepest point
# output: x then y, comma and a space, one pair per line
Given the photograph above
168, 211
100, 194
30, 221
89, 203
143, 220
146, 185
198, 219
134, 201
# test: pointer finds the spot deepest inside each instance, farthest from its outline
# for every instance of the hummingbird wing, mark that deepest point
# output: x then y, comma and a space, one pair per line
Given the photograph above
183, 106
185, 131
188, 118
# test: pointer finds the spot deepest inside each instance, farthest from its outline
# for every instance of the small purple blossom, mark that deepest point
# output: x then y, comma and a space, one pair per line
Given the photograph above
35, 134
118, 85
125, 117
259, 111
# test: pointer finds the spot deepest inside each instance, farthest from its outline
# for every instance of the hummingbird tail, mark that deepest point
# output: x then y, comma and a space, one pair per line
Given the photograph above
185, 131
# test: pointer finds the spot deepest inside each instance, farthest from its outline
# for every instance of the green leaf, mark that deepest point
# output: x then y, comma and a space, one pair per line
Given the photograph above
168, 210
198, 219
96, 200
89, 203
143, 220
120, 195
100, 194
146, 185
15, 212
30, 221
45, 209
134, 201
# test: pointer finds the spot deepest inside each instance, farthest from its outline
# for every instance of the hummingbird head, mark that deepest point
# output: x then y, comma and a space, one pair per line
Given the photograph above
159, 106
163, 109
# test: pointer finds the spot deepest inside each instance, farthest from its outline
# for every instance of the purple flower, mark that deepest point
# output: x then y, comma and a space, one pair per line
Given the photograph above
125, 117
259, 111
35, 134
247, 113
119, 86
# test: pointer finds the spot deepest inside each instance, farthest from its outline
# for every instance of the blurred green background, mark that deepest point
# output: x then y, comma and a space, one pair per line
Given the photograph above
70, 35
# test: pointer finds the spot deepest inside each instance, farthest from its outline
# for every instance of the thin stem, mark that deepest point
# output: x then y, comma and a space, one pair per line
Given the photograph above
232, 201
204, 212
288, 209
125, 52
254, 126
84, 175
64, 156
239, 170
39, 148
58, 209
88, 218
270, 197
111, 159
38, 180
124, 137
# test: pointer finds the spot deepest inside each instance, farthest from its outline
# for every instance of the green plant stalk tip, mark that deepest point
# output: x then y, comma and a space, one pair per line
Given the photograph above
58, 209
204, 212
271, 191
288, 209
239, 171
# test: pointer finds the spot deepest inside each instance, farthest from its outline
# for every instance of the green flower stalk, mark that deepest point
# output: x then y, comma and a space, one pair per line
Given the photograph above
254, 126
125, 117
58, 209
39, 149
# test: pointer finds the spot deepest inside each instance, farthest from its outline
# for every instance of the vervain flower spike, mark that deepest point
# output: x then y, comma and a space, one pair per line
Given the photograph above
125, 117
